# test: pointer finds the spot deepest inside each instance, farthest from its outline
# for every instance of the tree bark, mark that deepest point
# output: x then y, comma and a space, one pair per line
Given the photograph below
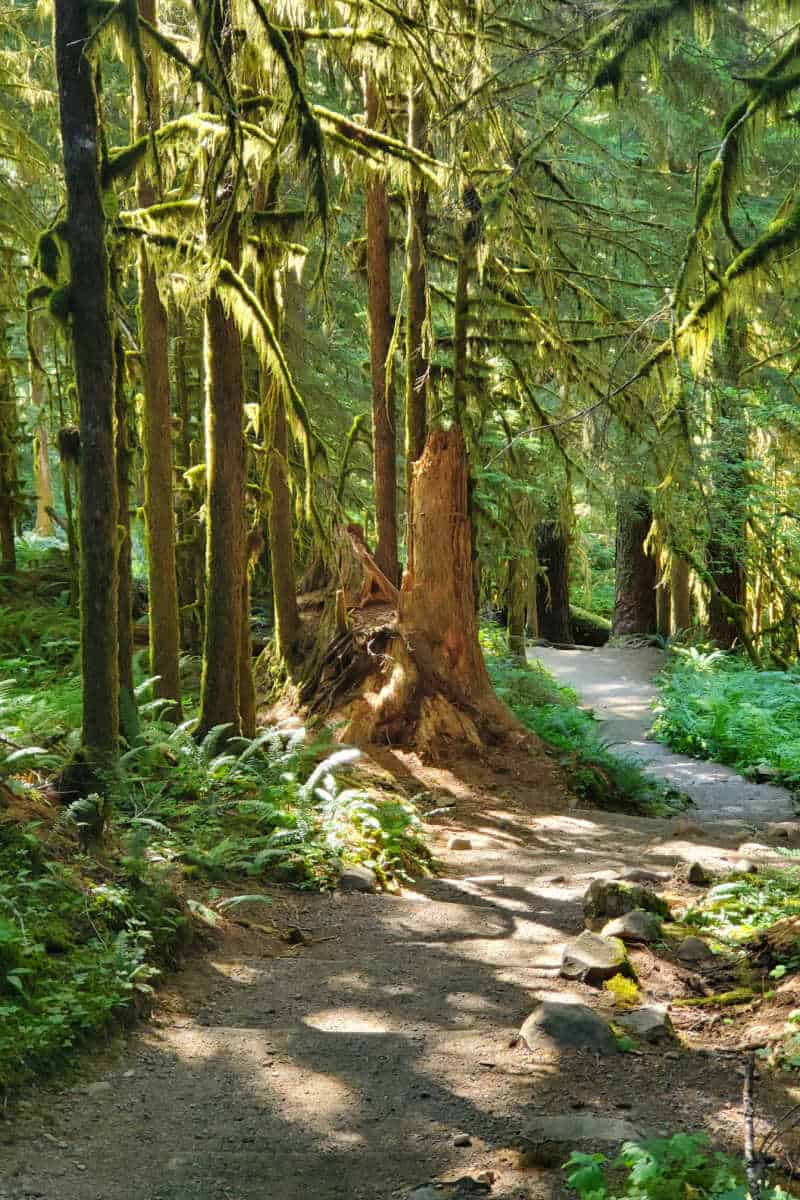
379, 303
432, 690
417, 341
553, 583
41, 452
189, 556
9, 484
681, 600
225, 475
635, 597
516, 595
93, 354
125, 566
159, 511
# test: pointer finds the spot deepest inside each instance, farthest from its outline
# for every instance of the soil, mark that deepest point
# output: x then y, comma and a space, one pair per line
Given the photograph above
350, 1067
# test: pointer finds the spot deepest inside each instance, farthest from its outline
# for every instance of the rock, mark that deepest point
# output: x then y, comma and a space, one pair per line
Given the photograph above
357, 879
694, 950
97, 1089
462, 1139
699, 875
788, 831
748, 849
641, 875
635, 926
649, 1024
683, 827
548, 1141
563, 1023
744, 866
593, 958
609, 898
461, 1189
458, 842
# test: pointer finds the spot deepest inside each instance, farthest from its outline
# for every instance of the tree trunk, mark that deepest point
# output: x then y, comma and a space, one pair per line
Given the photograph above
189, 557
93, 355
159, 508
532, 600
663, 609
379, 303
417, 339
41, 452
125, 567
635, 597
9, 484
225, 473
516, 595
470, 236
680, 595
431, 689
553, 583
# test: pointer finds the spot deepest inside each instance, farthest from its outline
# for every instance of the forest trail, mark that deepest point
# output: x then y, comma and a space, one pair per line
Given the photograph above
617, 683
352, 1068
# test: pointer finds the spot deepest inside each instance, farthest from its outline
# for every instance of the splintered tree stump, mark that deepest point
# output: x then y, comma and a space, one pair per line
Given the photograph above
430, 687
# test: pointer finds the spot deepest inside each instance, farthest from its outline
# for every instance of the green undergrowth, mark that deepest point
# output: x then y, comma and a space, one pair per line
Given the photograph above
717, 706
593, 771
674, 1168
80, 943
741, 906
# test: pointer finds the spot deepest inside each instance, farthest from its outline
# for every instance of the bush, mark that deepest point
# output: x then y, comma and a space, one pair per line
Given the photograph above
717, 706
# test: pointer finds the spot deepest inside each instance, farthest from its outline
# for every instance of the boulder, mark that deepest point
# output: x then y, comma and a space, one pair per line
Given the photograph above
459, 842
787, 831
592, 958
744, 866
357, 879
636, 926
699, 875
694, 950
649, 1024
609, 898
549, 1141
562, 1023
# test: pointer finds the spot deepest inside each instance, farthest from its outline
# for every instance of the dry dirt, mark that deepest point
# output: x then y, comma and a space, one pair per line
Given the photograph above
348, 1068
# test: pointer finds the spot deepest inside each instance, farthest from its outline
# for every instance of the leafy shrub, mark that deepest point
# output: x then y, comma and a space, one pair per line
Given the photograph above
717, 706
663, 1169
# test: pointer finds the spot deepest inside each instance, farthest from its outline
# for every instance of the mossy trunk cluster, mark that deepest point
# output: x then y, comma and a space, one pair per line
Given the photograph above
552, 593
93, 355
9, 484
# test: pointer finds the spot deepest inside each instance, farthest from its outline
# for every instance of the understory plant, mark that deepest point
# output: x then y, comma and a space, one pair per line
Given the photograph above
718, 706
673, 1168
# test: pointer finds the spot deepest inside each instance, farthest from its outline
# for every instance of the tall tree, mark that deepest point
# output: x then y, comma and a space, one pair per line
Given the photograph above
93, 355
159, 510
635, 591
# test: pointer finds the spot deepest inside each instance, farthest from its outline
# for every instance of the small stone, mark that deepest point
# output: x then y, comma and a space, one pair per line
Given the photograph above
128, 1074
683, 827
745, 867
357, 879
699, 875
593, 958
788, 831
635, 926
605, 899
566, 1024
459, 842
547, 1141
97, 1089
694, 950
462, 1139
649, 1024
642, 875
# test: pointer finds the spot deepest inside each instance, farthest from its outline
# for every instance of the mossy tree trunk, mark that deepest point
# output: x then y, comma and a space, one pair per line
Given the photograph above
93, 356
517, 587
417, 340
189, 557
9, 483
125, 563
552, 592
728, 503
223, 660
43, 479
680, 595
431, 690
635, 584
159, 509
379, 304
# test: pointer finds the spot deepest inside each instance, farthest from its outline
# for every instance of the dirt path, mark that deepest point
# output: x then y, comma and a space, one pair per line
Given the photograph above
347, 1070
617, 684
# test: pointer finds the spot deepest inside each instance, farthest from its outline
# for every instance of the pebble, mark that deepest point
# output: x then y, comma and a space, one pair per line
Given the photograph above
694, 949
459, 843
462, 1139
699, 875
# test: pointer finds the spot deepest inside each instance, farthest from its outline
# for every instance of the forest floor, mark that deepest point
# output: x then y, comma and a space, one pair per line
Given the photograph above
383, 1056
